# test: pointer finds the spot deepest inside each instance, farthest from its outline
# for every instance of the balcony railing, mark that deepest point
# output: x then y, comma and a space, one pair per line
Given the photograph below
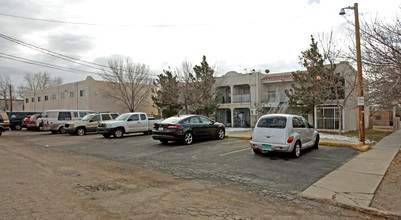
244, 98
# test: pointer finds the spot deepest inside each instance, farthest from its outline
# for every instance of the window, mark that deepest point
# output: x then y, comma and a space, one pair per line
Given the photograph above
297, 123
54, 96
82, 114
62, 95
106, 117
134, 117
26, 100
32, 99
378, 117
38, 98
71, 94
64, 116
272, 122
96, 118
114, 116
75, 114
81, 93
206, 120
193, 120
46, 98
143, 117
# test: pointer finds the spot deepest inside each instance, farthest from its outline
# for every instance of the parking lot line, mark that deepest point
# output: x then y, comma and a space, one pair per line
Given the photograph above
233, 152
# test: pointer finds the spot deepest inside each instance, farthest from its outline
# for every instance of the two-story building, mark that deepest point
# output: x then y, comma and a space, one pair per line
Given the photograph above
89, 94
243, 98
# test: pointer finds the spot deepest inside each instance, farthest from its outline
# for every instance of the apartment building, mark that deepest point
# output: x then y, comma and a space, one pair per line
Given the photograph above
89, 94
243, 98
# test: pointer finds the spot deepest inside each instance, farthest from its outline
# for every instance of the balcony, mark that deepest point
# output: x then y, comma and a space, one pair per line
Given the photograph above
242, 98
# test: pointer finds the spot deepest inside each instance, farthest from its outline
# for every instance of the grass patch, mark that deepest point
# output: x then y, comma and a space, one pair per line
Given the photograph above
370, 134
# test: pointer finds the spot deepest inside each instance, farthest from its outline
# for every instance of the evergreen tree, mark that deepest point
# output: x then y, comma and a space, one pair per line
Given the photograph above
167, 95
311, 88
205, 101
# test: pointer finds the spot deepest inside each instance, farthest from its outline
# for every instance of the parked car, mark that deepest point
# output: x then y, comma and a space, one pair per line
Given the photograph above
24, 123
35, 122
133, 122
88, 123
54, 120
283, 133
17, 117
187, 128
4, 121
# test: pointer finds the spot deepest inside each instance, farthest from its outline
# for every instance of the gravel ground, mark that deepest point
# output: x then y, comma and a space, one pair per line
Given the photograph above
42, 183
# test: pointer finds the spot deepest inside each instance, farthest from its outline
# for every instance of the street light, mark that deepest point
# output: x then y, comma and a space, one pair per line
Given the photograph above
360, 80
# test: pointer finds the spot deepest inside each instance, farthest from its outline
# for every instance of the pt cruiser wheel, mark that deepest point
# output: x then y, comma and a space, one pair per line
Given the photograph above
297, 149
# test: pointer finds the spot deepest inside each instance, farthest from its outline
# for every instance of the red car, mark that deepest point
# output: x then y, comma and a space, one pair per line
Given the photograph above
24, 122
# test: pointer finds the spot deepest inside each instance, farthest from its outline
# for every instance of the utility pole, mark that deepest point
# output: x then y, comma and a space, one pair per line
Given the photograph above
360, 100
11, 98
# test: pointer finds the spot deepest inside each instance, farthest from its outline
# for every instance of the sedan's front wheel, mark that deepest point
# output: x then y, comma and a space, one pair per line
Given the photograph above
188, 138
221, 134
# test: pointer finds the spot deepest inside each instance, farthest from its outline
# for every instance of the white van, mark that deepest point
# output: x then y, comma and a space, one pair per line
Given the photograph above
54, 120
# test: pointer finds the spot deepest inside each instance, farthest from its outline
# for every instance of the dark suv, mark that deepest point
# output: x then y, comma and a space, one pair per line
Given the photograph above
17, 117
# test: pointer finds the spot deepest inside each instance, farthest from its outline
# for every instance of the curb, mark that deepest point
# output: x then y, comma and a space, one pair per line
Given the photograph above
357, 145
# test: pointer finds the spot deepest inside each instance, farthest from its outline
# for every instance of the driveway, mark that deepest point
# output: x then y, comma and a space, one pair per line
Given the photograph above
226, 161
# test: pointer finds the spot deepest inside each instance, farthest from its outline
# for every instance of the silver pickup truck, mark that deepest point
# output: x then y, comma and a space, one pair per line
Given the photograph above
133, 122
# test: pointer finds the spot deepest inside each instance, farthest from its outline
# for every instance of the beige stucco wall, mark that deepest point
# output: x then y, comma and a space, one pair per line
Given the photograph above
94, 98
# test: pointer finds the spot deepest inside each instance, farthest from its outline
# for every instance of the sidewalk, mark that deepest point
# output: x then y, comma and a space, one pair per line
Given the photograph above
356, 182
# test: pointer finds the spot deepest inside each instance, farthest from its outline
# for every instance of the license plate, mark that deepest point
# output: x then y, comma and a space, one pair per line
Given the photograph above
266, 147
160, 128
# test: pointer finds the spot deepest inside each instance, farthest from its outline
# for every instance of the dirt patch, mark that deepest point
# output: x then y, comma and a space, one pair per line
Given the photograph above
388, 195
42, 183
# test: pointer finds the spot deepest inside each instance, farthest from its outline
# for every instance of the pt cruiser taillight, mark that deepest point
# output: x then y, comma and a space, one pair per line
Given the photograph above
290, 140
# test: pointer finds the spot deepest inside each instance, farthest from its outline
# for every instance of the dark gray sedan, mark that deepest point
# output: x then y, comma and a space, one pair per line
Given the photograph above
187, 128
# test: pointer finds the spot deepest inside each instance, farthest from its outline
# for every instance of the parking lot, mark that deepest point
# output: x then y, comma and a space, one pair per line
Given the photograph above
228, 161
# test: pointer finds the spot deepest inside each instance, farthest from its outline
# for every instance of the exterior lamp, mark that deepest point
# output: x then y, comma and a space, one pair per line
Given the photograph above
360, 98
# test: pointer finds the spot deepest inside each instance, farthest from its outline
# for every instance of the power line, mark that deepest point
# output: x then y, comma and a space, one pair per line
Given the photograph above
97, 24
54, 54
33, 62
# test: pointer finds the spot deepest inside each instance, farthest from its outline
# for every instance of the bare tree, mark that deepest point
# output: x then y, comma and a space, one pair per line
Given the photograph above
5, 83
130, 83
198, 94
38, 81
381, 57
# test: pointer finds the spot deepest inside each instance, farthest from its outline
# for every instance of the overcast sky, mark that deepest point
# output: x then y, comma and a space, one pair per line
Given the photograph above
233, 35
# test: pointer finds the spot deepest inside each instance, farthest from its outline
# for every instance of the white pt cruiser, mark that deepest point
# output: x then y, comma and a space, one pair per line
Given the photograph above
283, 133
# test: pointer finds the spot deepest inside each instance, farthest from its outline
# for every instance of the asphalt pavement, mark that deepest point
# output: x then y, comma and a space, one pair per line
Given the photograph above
355, 182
